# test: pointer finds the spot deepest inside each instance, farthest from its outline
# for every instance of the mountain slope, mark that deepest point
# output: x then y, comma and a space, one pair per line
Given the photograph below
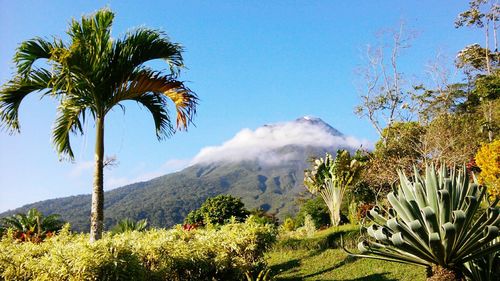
270, 178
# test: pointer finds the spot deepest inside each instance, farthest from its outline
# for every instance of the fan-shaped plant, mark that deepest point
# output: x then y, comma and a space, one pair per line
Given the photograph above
33, 226
433, 223
331, 178
127, 225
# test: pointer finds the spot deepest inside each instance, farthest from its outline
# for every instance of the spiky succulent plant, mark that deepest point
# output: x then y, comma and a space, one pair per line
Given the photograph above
434, 221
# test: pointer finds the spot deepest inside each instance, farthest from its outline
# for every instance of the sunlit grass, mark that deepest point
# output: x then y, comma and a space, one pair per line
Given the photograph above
334, 264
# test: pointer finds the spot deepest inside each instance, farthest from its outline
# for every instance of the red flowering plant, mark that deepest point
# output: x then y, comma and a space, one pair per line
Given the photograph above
33, 226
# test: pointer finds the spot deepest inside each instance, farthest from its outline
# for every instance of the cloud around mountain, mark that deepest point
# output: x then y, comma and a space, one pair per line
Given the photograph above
265, 143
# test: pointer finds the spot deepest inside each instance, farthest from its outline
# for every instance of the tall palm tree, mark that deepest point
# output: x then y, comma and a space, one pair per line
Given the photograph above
90, 75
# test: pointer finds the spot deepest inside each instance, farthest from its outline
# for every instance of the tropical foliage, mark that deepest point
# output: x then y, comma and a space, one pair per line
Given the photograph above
92, 74
318, 211
201, 254
33, 226
434, 222
331, 178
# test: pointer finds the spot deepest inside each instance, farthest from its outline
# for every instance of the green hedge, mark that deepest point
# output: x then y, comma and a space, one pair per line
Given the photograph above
201, 254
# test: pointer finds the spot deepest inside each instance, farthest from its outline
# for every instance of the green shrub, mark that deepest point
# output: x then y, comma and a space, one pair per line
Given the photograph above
194, 217
318, 211
218, 210
226, 253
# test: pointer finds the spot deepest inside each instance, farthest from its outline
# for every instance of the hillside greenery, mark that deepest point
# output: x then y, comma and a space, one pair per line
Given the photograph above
165, 201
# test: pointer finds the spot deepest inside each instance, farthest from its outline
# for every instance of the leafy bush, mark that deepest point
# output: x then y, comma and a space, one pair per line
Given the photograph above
218, 210
318, 211
194, 217
201, 254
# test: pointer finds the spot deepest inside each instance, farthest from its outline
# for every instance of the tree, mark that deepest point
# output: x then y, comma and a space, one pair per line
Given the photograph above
403, 148
218, 210
92, 74
384, 98
331, 178
482, 14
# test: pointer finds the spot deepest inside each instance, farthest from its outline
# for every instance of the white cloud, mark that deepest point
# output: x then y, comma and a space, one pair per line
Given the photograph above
259, 144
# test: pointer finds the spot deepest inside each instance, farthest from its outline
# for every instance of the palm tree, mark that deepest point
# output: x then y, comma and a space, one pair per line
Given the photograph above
91, 75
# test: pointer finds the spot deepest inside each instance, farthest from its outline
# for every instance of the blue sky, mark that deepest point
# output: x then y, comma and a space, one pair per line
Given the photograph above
250, 62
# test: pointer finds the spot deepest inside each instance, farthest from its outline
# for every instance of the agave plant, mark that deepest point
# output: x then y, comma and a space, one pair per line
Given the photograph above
33, 226
331, 178
487, 267
127, 225
433, 222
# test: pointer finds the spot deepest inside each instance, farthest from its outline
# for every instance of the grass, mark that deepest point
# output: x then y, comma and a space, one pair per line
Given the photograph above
308, 259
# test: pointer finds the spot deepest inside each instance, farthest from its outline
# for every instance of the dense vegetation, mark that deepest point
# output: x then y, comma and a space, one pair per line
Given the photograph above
226, 253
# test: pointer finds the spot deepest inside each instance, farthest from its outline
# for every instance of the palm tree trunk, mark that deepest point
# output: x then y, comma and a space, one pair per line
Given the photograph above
97, 211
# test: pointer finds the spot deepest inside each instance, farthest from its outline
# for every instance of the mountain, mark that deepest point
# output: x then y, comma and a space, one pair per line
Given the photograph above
264, 167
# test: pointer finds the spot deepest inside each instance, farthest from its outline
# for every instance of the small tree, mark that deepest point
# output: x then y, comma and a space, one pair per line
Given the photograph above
218, 210
331, 178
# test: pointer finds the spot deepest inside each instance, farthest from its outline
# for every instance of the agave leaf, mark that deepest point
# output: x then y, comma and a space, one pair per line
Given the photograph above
432, 186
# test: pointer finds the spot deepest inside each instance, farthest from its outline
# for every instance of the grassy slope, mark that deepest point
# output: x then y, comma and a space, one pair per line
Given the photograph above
334, 264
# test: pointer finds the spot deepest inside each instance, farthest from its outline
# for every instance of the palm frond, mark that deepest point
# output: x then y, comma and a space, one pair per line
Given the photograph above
153, 90
14, 91
31, 50
142, 45
71, 114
